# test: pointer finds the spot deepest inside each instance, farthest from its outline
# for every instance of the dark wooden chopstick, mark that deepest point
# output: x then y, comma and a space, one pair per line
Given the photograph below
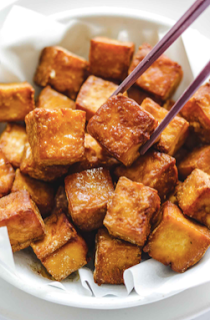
177, 107
180, 26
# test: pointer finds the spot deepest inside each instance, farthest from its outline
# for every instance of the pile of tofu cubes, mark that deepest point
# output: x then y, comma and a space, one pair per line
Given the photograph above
73, 185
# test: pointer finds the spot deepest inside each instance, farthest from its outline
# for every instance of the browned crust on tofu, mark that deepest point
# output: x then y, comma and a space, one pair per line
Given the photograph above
162, 78
51, 99
113, 257
7, 175
121, 126
130, 211
177, 241
138, 95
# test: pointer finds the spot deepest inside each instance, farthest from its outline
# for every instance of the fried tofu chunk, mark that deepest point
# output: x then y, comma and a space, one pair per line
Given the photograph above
22, 219
88, 193
93, 93
194, 196
51, 99
113, 257
138, 95
174, 135
16, 101
62, 251
7, 175
155, 170
61, 202
29, 167
121, 126
177, 241
130, 211
56, 136
12, 142
62, 70
41, 192
197, 159
110, 59
197, 112
161, 78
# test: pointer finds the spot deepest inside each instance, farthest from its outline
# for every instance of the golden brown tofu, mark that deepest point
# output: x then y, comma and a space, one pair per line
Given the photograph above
95, 156
61, 202
56, 136
7, 175
88, 193
51, 99
30, 167
155, 170
67, 259
22, 219
121, 126
168, 104
174, 135
130, 211
110, 59
197, 159
113, 257
197, 112
41, 192
58, 231
93, 93
12, 142
162, 78
177, 241
61, 69
194, 196
138, 95
16, 101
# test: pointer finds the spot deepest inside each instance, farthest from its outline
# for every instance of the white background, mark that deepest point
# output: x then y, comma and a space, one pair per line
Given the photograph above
15, 304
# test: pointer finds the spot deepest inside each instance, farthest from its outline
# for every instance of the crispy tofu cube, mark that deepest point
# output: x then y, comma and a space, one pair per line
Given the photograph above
162, 78
56, 136
30, 167
110, 59
22, 219
196, 111
95, 156
88, 193
138, 95
61, 69
61, 202
51, 99
12, 142
130, 211
41, 192
113, 257
7, 175
121, 126
16, 101
174, 135
197, 159
194, 196
93, 93
177, 241
155, 170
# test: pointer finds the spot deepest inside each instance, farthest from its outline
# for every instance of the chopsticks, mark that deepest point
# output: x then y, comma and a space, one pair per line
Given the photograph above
180, 26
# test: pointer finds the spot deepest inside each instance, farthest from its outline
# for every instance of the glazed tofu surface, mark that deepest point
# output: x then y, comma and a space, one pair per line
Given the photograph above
16, 101
177, 241
41, 192
61, 69
51, 99
56, 137
161, 78
7, 175
88, 193
22, 219
130, 211
113, 257
110, 59
176, 132
12, 142
154, 169
121, 126
194, 196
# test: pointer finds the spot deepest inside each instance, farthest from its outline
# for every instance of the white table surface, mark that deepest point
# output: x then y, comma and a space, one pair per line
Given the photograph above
12, 300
